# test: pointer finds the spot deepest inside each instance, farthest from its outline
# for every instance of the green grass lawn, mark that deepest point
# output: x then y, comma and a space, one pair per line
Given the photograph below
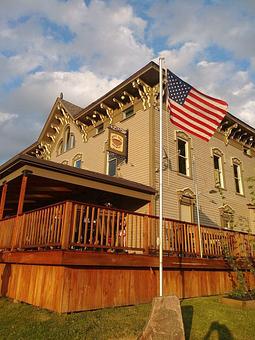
204, 318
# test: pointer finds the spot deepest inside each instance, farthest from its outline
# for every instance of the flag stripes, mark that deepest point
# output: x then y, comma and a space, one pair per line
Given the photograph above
193, 111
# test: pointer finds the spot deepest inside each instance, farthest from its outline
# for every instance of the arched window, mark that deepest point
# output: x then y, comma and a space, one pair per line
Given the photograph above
227, 216
77, 161
72, 141
183, 152
69, 139
217, 156
186, 205
60, 148
238, 178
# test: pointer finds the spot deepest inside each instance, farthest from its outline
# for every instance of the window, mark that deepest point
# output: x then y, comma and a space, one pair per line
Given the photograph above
72, 141
227, 216
112, 167
187, 201
112, 164
77, 161
247, 151
99, 129
60, 148
218, 169
69, 140
128, 112
183, 156
238, 176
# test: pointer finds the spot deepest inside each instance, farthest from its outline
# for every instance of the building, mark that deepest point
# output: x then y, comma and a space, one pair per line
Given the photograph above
78, 208
79, 137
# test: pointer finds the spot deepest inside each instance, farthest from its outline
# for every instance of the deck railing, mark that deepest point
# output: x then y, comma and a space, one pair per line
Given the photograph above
75, 225
6, 232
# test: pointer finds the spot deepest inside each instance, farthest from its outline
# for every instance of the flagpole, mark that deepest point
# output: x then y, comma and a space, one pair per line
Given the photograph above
197, 206
160, 179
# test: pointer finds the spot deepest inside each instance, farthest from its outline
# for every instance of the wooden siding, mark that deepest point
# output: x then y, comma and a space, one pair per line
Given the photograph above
143, 162
40, 286
209, 203
94, 150
75, 287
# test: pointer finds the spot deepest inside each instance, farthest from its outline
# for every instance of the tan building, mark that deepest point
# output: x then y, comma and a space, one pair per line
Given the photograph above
77, 224
221, 168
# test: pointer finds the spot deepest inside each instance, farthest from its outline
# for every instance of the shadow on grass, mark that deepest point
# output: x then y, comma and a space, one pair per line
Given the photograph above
222, 330
187, 316
217, 328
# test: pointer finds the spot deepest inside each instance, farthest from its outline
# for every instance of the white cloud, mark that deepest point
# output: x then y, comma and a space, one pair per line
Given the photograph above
109, 41
39, 90
247, 112
229, 25
33, 100
4, 117
106, 35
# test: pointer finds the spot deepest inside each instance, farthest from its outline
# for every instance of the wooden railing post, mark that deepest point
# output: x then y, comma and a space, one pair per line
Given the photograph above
66, 227
21, 234
145, 235
3, 199
14, 239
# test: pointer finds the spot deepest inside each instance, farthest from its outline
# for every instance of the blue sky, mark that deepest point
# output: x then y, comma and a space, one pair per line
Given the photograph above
85, 48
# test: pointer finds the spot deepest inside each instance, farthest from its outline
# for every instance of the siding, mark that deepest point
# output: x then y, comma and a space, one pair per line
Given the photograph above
143, 165
209, 203
94, 150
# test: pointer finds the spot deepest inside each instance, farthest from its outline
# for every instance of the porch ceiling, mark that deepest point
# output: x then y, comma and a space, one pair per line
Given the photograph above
50, 182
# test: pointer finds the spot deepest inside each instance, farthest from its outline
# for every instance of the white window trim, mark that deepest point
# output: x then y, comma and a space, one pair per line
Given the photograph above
238, 163
186, 157
218, 153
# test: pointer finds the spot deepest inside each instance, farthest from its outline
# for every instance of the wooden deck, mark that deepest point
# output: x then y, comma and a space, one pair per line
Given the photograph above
73, 256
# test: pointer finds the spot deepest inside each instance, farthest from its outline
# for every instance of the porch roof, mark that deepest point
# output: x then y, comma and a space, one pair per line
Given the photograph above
51, 182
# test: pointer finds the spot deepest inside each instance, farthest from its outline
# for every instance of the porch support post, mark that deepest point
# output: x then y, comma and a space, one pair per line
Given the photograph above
22, 192
3, 199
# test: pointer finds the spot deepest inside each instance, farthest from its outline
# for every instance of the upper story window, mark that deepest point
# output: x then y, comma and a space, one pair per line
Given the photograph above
237, 171
128, 112
77, 161
247, 151
69, 140
60, 148
183, 148
218, 168
99, 128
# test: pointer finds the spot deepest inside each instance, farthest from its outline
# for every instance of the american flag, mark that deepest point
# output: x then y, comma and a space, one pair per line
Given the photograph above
192, 110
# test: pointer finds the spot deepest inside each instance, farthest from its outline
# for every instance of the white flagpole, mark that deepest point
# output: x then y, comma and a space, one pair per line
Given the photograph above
197, 207
160, 179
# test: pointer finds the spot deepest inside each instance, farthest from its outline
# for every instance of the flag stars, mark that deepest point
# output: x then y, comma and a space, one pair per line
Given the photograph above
177, 88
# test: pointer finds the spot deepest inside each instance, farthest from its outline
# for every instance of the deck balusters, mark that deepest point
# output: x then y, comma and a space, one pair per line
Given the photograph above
81, 226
